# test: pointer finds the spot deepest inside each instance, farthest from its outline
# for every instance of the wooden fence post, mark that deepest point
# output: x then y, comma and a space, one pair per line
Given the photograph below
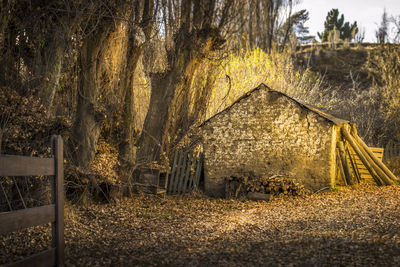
58, 199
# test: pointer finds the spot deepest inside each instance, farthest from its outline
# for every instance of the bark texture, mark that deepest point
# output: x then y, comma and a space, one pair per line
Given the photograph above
86, 128
190, 50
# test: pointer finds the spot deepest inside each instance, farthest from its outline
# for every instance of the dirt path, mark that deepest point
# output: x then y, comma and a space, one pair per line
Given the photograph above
351, 227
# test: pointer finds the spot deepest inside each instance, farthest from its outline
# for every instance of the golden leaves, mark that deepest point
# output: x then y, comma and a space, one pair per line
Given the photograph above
355, 226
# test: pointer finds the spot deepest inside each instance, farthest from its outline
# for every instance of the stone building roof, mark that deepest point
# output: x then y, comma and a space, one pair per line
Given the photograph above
328, 117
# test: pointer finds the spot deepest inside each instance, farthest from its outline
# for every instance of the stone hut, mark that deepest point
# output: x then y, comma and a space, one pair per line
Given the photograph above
266, 133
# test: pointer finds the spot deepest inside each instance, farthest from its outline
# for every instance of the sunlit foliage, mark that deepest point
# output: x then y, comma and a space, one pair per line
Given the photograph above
240, 72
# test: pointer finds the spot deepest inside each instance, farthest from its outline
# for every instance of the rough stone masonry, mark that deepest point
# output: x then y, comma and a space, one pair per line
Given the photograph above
267, 133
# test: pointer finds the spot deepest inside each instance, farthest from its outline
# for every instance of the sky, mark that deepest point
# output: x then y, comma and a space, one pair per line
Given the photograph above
367, 13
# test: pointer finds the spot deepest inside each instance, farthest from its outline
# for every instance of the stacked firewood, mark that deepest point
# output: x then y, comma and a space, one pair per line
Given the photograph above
261, 188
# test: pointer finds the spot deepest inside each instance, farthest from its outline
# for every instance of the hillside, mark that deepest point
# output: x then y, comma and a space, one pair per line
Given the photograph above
341, 66
359, 84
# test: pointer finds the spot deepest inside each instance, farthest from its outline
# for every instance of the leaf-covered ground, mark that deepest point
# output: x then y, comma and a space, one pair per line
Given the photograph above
355, 226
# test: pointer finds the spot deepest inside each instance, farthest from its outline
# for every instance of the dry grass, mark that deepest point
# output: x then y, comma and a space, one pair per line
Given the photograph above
355, 226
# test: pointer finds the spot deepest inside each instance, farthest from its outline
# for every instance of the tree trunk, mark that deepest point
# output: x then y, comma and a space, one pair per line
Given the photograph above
86, 128
127, 149
250, 21
190, 50
52, 71
142, 16
162, 94
10, 59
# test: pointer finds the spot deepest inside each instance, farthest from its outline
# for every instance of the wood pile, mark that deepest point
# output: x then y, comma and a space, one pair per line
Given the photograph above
261, 188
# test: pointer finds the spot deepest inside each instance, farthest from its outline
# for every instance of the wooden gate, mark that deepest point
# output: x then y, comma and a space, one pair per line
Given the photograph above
54, 213
358, 167
185, 172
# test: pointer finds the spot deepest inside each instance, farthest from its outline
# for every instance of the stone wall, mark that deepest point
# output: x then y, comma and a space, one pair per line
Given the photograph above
268, 133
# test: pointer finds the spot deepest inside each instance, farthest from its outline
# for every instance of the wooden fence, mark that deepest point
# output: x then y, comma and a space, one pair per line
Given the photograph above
54, 213
185, 172
358, 167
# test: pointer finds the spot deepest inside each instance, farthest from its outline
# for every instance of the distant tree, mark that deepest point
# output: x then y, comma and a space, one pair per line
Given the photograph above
360, 35
396, 29
382, 33
334, 37
295, 24
334, 20
260, 22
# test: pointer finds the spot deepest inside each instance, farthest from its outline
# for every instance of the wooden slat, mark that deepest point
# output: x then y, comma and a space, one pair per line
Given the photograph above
340, 166
178, 172
21, 219
377, 150
173, 171
183, 171
353, 165
363, 171
45, 258
25, 166
379, 154
185, 188
58, 199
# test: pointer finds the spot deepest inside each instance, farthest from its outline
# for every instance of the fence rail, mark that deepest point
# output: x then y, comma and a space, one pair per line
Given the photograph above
54, 213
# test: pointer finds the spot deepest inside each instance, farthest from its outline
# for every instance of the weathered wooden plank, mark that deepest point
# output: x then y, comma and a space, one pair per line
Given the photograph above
173, 171
360, 153
358, 161
178, 171
187, 174
377, 149
58, 196
386, 173
364, 172
345, 165
45, 258
25, 166
361, 169
340, 166
377, 154
366, 177
21, 219
182, 176
353, 165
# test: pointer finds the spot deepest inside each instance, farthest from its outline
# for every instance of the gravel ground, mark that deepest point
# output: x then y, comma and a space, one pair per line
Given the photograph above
357, 226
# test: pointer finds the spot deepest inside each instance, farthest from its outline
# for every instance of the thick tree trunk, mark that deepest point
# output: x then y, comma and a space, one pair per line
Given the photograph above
127, 150
135, 46
190, 50
10, 59
52, 71
162, 94
86, 128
